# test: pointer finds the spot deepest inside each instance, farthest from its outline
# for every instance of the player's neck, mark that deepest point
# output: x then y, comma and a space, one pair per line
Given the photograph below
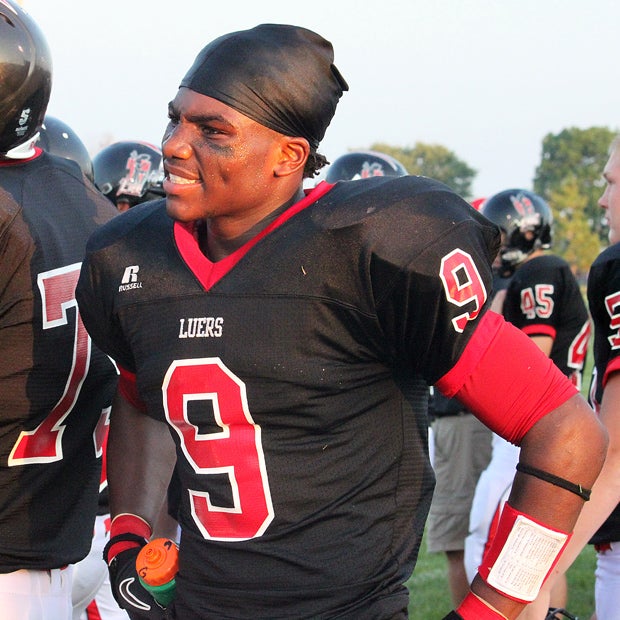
534, 254
216, 246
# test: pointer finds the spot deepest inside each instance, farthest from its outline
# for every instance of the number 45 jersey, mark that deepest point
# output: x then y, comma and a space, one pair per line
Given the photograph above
293, 375
55, 387
543, 299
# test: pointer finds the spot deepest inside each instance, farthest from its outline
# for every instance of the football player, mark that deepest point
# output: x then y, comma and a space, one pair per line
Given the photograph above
544, 300
129, 172
91, 593
56, 387
276, 347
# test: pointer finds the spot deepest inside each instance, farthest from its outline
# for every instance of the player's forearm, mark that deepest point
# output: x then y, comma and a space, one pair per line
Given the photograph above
569, 443
140, 459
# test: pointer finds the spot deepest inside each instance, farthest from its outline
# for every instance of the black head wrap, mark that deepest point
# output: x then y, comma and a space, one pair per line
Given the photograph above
280, 76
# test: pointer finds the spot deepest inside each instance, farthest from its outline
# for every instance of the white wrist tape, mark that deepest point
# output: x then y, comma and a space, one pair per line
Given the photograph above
522, 555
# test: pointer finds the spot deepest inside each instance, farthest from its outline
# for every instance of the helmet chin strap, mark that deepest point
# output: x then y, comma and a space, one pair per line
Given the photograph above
25, 150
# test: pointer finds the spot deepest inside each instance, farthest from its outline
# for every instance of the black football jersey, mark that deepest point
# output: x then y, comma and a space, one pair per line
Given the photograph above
55, 386
543, 298
294, 377
604, 303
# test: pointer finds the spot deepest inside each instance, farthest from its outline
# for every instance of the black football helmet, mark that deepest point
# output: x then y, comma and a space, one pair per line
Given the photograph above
132, 171
25, 77
362, 165
56, 137
525, 220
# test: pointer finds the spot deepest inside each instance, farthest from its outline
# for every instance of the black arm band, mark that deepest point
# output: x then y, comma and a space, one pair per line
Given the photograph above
577, 489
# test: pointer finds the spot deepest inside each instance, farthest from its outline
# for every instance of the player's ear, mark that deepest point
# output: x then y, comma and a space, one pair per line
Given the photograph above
292, 158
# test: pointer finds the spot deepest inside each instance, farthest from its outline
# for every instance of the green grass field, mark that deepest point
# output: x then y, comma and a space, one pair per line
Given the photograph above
430, 599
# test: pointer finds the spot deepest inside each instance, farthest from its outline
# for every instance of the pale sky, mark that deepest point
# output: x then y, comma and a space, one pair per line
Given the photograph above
487, 79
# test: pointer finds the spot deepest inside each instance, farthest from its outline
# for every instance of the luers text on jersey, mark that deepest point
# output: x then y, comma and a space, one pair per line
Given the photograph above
201, 327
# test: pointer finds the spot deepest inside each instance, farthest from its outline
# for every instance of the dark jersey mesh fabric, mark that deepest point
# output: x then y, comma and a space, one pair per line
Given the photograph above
296, 386
603, 301
54, 385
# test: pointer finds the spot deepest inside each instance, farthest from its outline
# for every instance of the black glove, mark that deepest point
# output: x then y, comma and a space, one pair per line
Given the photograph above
127, 589
452, 616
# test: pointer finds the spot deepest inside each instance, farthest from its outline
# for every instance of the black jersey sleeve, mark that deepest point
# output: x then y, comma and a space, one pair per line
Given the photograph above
100, 279
432, 304
96, 312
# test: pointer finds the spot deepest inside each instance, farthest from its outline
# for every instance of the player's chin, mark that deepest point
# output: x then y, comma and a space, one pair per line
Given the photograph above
181, 210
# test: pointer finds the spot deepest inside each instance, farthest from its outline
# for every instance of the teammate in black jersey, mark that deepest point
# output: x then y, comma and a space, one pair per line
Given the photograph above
542, 298
276, 348
599, 523
56, 388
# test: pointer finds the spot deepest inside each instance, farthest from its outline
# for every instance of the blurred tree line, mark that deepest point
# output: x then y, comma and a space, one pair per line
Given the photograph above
569, 178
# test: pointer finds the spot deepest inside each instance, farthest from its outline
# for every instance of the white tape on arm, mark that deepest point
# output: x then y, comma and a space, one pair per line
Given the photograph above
522, 555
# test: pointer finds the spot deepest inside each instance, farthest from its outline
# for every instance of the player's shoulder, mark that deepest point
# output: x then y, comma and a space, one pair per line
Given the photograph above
141, 222
604, 275
550, 259
56, 182
544, 264
608, 256
388, 188
50, 165
418, 196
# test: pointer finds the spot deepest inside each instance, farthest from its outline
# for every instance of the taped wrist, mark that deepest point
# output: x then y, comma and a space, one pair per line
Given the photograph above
522, 555
473, 608
126, 532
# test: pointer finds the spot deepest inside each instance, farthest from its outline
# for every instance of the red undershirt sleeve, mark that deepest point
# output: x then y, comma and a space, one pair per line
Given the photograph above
128, 388
540, 330
612, 366
505, 379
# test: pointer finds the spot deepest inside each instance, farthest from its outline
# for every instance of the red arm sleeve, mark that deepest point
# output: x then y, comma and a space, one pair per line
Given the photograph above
505, 379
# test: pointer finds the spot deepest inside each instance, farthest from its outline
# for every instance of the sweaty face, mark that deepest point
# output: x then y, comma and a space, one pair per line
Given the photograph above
218, 162
610, 200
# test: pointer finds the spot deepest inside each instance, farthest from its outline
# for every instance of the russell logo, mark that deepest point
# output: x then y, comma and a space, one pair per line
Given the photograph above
130, 279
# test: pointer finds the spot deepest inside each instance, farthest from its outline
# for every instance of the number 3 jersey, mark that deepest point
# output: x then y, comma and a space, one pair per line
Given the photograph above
604, 303
55, 387
294, 376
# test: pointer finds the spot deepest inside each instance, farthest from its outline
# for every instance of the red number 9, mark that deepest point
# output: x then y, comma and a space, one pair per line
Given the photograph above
235, 450
462, 284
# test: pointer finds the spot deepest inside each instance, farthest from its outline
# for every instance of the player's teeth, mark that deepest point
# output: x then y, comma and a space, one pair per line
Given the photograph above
181, 180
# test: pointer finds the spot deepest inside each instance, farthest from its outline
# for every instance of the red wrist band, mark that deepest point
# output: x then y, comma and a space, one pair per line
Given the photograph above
126, 523
473, 608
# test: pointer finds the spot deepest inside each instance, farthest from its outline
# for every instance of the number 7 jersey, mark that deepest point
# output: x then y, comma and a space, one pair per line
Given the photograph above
293, 375
55, 386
